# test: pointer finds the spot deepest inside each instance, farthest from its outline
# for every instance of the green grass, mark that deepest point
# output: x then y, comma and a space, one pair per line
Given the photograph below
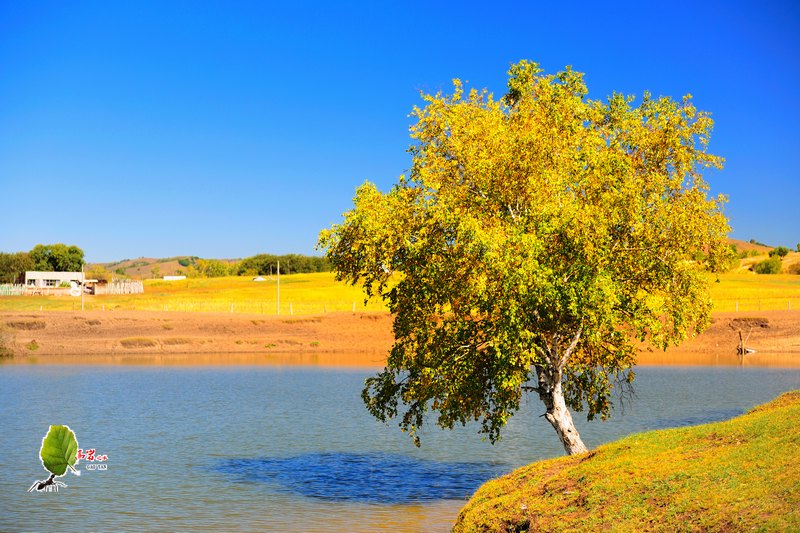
737, 475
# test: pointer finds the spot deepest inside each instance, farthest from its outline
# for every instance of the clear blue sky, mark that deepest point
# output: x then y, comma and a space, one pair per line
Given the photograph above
227, 129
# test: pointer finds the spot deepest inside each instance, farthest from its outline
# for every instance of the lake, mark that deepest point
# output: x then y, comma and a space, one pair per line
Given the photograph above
290, 448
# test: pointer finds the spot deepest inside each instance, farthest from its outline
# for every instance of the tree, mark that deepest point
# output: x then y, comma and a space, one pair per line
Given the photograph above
537, 240
263, 264
57, 258
768, 266
99, 273
13, 266
780, 252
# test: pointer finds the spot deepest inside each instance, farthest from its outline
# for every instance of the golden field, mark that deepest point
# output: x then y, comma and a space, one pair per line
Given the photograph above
300, 294
313, 294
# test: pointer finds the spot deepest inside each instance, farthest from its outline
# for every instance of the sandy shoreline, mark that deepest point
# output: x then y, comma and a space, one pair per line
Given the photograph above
336, 339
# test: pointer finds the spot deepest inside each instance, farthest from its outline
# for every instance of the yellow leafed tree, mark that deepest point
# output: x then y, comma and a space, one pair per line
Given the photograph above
537, 238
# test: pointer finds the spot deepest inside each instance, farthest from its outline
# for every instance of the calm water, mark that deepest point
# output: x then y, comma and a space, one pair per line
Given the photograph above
289, 448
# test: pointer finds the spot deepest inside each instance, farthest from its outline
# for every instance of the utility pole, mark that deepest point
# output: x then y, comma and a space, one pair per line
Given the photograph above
279, 287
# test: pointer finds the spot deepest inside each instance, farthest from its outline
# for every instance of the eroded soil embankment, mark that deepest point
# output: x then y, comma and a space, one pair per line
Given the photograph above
97, 333
75, 334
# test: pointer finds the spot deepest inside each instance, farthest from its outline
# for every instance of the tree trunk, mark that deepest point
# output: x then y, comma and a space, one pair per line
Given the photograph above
558, 415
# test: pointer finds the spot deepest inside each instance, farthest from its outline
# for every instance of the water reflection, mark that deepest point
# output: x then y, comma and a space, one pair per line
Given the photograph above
224, 448
708, 416
760, 360
308, 359
377, 360
364, 477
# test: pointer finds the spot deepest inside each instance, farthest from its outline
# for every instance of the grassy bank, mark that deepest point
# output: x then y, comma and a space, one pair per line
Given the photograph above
309, 294
737, 475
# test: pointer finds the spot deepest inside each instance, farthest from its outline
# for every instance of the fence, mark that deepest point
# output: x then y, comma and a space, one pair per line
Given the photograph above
756, 304
12, 290
123, 286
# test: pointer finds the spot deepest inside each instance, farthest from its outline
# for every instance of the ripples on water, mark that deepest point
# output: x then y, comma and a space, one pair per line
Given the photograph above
712, 415
366, 478
291, 449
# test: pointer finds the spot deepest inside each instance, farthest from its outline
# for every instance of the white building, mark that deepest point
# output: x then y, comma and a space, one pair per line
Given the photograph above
51, 279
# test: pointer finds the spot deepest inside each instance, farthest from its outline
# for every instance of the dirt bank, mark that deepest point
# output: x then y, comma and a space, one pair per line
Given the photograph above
338, 338
763, 331
77, 336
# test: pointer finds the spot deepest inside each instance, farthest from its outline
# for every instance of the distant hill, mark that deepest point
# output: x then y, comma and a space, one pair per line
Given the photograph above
747, 246
149, 267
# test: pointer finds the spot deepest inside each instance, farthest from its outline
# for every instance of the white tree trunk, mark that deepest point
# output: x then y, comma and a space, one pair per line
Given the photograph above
552, 394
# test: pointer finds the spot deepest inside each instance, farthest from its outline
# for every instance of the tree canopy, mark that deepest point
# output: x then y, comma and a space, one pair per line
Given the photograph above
57, 258
13, 266
538, 239
264, 264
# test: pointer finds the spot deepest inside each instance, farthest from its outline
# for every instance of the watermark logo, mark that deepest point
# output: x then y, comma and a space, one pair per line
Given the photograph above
59, 453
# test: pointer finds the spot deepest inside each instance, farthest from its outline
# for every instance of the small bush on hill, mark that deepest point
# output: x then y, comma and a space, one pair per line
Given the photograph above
768, 266
780, 251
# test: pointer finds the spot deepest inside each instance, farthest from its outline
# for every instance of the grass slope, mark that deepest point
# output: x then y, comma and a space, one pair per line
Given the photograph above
736, 475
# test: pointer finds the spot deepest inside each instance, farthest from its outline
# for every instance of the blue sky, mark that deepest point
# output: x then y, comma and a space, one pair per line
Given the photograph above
227, 129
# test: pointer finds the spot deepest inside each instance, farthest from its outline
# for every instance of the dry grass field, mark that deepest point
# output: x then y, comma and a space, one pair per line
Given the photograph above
312, 294
300, 294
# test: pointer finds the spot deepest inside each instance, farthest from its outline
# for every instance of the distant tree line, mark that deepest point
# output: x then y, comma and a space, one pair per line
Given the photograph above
266, 264
43, 257
257, 265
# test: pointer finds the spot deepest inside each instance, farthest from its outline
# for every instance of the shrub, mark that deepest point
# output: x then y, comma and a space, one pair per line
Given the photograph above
768, 266
780, 251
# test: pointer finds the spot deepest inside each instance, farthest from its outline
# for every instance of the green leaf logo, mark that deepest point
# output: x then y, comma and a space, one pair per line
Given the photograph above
59, 450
